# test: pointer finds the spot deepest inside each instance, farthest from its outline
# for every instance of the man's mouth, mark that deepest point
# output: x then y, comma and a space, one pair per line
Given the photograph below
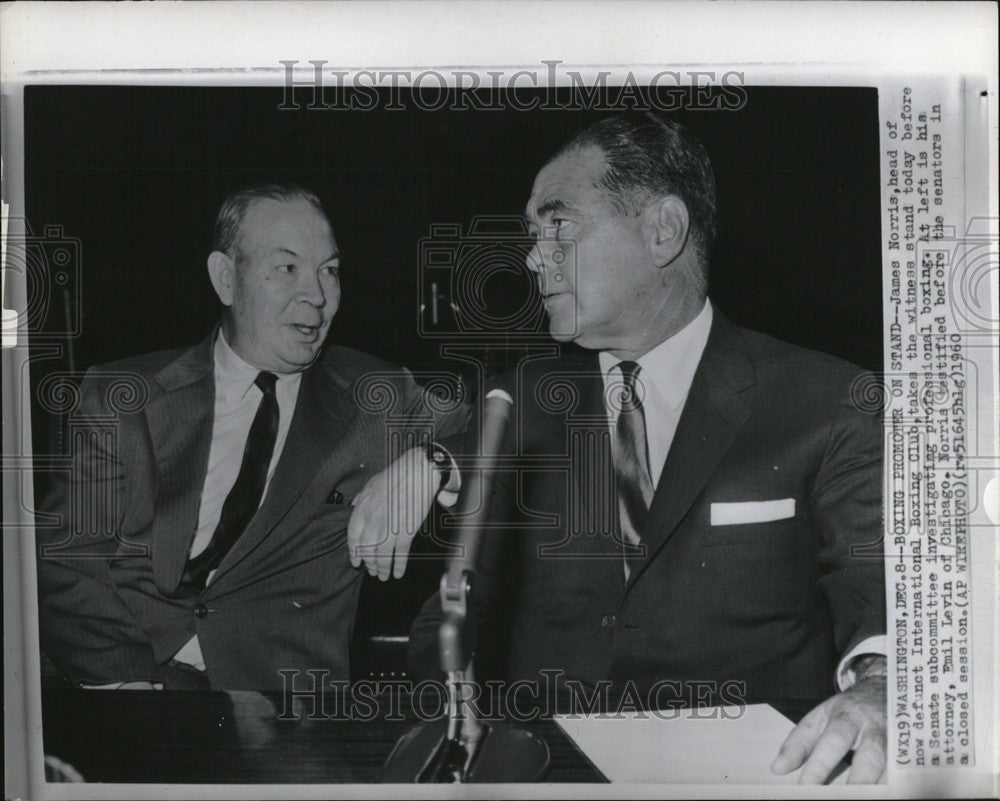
306, 330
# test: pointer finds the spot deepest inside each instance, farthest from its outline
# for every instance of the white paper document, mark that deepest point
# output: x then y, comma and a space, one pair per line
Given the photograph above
725, 745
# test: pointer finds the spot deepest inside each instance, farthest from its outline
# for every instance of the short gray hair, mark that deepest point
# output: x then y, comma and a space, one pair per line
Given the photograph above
234, 209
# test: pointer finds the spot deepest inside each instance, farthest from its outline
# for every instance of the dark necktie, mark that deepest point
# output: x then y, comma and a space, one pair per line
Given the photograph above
244, 498
632, 476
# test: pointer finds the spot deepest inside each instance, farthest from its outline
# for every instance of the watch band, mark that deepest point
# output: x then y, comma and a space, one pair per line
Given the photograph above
441, 459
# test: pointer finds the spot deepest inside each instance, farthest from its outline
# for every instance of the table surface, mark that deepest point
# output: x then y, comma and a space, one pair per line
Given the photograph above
248, 737
245, 737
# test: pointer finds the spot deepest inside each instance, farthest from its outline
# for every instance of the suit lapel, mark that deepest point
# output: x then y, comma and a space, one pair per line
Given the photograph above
713, 415
323, 414
179, 420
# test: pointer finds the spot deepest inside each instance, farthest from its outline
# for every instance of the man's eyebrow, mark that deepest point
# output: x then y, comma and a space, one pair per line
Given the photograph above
290, 252
550, 206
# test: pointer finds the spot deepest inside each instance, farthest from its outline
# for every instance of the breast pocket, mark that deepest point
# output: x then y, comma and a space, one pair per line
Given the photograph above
764, 540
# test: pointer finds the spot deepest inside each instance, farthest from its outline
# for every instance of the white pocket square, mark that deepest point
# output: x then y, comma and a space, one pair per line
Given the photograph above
733, 514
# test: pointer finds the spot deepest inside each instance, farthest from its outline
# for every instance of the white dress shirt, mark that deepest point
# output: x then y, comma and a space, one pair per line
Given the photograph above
664, 382
662, 385
236, 401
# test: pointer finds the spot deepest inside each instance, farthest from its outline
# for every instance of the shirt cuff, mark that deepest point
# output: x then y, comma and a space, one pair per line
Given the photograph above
448, 494
846, 677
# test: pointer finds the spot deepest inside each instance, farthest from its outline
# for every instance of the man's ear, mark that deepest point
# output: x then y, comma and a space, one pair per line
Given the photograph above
667, 226
221, 271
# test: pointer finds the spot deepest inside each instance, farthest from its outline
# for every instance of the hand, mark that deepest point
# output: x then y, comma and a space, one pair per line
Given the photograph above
852, 720
388, 512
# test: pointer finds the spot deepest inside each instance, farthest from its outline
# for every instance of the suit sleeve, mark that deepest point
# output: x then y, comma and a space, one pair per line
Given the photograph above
846, 501
86, 628
448, 417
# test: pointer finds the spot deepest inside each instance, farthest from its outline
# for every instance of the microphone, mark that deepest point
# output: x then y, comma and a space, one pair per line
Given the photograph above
460, 748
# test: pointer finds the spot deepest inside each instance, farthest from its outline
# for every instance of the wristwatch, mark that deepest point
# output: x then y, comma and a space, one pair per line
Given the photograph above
441, 459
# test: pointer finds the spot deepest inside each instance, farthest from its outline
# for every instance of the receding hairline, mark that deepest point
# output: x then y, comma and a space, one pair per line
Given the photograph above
229, 219
240, 234
556, 203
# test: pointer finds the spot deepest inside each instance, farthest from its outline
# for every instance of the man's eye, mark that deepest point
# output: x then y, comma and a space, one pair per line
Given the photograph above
286, 268
332, 270
556, 225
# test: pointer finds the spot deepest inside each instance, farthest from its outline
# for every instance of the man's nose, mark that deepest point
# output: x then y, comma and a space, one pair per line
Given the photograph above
311, 288
534, 259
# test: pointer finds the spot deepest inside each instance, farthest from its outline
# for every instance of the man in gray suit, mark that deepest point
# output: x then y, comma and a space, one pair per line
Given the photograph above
202, 535
691, 505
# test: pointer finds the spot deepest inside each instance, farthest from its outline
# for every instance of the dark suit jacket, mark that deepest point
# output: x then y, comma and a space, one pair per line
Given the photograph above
772, 605
285, 595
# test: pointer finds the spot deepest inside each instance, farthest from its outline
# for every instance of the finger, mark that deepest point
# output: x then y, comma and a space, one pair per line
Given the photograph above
833, 745
373, 539
383, 566
383, 554
355, 527
869, 757
368, 541
373, 544
401, 556
368, 545
358, 522
800, 741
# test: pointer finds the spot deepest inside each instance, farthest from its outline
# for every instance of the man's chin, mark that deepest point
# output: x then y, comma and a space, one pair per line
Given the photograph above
562, 332
301, 358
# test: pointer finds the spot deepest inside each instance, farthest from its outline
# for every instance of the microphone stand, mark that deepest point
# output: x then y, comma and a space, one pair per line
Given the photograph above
459, 747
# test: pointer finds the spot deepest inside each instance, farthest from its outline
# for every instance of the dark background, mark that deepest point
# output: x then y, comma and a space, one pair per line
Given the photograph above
136, 175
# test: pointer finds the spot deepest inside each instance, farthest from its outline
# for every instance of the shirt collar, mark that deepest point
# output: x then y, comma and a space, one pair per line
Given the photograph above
234, 376
671, 365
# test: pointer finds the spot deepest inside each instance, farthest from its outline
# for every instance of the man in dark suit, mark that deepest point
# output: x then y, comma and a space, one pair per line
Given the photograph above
202, 534
696, 510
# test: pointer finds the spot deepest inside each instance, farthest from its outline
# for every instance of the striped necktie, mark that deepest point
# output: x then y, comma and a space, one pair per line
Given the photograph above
632, 477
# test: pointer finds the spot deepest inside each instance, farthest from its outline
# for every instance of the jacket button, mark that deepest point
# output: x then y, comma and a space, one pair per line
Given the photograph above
200, 611
608, 621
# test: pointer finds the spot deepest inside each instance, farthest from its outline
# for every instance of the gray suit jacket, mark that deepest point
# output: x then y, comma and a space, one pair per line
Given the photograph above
124, 517
764, 608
